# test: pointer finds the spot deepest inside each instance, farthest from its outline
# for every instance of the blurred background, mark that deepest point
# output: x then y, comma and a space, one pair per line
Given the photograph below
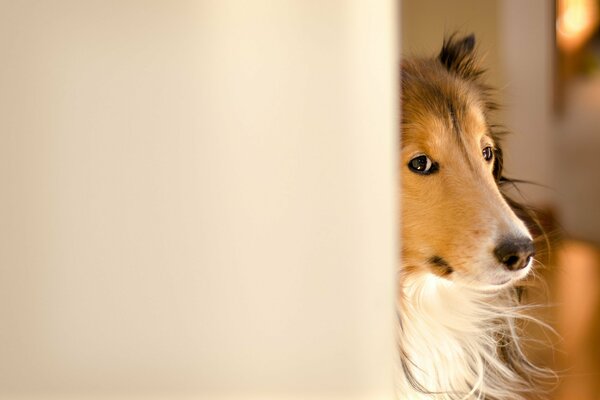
544, 58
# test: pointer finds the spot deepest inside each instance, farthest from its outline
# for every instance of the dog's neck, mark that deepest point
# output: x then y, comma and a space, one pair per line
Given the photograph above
458, 343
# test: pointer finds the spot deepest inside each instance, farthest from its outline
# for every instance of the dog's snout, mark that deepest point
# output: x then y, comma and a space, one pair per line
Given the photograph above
515, 253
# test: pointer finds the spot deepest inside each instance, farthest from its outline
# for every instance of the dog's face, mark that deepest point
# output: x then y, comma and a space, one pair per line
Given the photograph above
455, 222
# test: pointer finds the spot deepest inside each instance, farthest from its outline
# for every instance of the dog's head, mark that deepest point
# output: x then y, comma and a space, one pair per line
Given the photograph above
455, 222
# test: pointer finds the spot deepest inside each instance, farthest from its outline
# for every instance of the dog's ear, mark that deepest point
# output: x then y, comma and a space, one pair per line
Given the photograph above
458, 56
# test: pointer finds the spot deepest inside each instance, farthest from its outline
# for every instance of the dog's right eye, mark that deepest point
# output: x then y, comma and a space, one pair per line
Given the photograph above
422, 165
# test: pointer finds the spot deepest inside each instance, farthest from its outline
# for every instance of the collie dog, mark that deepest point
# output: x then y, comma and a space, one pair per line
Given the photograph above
463, 247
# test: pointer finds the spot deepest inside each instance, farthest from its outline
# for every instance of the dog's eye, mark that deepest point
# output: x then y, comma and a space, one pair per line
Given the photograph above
488, 153
422, 165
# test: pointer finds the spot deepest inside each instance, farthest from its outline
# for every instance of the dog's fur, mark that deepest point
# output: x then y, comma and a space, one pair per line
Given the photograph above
458, 305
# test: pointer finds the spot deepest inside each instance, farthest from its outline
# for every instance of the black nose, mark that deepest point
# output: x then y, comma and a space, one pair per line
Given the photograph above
515, 253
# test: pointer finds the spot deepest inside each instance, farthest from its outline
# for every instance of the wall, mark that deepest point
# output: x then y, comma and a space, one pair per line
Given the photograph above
197, 198
577, 162
527, 59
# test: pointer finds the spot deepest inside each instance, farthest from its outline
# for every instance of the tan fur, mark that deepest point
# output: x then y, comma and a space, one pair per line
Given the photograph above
458, 212
458, 304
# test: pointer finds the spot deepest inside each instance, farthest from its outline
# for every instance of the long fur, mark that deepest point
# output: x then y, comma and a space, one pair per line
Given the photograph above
469, 339
461, 342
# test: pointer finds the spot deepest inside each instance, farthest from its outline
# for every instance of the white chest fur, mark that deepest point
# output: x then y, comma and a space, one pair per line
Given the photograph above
457, 343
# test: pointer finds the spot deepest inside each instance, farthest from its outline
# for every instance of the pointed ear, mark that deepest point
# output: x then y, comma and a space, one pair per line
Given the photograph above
458, 56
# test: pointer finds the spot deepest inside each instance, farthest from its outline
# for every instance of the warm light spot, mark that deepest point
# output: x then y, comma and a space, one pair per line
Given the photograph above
575, 23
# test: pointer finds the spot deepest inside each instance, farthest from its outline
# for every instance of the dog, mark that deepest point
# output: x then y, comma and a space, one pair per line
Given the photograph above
464, 250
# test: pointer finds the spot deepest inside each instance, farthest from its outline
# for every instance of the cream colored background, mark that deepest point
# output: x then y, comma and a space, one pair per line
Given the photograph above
197, 198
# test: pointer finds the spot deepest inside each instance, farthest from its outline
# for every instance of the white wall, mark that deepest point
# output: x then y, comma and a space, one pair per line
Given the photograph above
197, 198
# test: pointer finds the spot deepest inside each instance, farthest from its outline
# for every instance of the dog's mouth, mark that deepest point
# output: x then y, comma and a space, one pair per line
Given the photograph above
440, 266
503, 282
495, 279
